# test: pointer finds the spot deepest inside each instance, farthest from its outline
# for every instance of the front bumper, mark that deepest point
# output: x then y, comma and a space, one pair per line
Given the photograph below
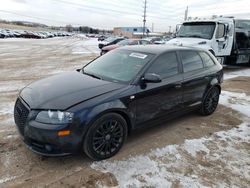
48, 143
43, 139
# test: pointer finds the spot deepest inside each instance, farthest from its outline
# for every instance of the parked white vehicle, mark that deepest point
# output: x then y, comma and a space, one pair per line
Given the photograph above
227, 38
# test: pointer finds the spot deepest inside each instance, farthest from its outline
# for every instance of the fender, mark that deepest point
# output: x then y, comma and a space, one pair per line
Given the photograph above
89, 115
213, 83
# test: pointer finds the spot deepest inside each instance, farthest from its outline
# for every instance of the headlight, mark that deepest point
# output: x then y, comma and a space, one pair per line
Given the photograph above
54, 117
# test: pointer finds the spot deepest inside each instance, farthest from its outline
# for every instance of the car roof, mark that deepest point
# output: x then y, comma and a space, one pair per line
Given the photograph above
157, 49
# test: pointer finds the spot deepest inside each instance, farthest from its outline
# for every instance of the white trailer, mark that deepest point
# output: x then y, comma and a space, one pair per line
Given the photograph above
227, 38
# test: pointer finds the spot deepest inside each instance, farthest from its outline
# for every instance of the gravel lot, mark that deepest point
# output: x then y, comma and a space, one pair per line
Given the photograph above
191, 151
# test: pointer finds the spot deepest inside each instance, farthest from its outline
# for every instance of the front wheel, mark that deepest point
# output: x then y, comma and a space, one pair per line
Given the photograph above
105, 137
210, 101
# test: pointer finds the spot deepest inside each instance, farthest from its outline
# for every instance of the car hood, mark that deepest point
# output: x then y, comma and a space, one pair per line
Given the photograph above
195, 42
64, 90
110, 47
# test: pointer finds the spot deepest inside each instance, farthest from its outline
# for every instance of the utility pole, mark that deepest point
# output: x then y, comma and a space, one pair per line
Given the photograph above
144, 17
152, 30
169, 29
186, 14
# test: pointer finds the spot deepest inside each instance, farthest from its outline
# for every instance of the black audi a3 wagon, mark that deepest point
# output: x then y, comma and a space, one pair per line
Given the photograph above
94, 108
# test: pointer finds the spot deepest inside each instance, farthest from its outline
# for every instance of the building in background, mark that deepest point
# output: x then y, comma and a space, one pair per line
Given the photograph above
129, 31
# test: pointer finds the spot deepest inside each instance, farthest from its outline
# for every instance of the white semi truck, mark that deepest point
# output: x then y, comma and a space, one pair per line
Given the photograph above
227, 38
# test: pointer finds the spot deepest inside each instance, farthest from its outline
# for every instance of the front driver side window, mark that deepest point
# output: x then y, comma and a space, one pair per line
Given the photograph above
166, 65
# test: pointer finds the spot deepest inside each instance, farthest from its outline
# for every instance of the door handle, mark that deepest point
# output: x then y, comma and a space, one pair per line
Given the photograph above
207, 77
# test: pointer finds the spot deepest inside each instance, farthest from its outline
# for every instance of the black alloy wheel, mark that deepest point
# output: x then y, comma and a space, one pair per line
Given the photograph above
105, 137
210, 101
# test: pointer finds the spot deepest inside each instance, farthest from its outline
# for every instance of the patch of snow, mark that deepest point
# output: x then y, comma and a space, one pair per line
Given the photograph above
6, 179
229, 75
7, 108
237, 101
8, 86
160, 168
9, 121
89, 46
11, 137
168, 149
193, 146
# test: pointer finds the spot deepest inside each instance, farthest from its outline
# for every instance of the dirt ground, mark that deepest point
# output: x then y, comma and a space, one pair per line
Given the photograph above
23, 61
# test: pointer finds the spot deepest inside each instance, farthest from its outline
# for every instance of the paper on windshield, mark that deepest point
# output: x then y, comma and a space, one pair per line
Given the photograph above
138, 55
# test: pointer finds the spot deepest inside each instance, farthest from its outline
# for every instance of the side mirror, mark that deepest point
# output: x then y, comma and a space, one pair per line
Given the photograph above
78, 70
151, 78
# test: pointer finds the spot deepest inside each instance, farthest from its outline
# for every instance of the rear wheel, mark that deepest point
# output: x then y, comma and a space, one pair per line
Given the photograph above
210, 101
105, 137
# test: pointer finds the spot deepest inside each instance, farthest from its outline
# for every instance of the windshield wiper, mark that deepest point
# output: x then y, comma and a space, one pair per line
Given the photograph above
181, 36
196, 36
92, 75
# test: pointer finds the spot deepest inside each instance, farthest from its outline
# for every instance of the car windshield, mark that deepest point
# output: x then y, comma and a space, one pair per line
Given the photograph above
203, 30
118, 65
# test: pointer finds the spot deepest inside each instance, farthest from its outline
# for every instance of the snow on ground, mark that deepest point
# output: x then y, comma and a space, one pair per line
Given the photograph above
203, 162
9, 86
6, 108
89, 46
234, 74
177, 164
6, 179
237, 101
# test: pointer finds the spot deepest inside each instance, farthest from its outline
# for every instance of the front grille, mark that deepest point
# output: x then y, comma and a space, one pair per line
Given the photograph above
21, 113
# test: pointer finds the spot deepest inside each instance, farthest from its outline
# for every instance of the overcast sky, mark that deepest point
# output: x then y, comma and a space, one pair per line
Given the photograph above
107, 14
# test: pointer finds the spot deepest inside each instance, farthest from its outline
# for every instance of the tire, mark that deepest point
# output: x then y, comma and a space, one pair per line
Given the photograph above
105, 136
210, 101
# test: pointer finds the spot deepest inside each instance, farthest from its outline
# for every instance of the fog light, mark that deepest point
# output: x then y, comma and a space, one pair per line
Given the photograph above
63, 133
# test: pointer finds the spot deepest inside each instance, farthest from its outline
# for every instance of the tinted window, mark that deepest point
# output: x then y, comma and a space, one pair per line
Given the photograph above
166, 65
206, 59
191, 61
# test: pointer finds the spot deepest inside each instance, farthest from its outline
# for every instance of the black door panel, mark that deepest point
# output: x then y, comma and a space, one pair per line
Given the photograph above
194, 85
155, 100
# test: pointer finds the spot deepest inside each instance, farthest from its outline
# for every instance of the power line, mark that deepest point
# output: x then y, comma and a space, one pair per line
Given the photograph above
108, 10
96, 8
34, 17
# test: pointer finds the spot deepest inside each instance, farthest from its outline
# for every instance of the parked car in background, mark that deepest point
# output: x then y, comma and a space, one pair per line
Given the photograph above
2, 34
110, 41
7, 33
101, 38
163, 40
95, 108
153, 39
124, 43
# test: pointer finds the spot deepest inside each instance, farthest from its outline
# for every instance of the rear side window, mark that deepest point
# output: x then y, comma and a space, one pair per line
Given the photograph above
207, 60
166, 65
191, 61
